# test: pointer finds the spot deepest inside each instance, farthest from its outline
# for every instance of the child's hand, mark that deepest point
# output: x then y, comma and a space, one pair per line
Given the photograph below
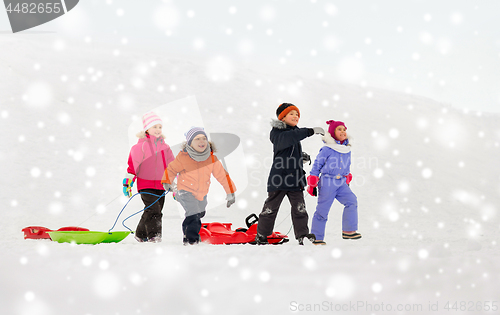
313, 191
127, 187
170, 187
312, 181
348, 179
319, 130
231, 198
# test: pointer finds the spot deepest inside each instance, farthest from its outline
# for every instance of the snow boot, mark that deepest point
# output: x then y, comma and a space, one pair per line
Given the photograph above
187, 241
261, 239
311, 237
141, 239
155, 239
351, 236
319, 242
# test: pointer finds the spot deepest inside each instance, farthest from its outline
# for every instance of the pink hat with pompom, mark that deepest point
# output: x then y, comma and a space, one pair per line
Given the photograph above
333, 125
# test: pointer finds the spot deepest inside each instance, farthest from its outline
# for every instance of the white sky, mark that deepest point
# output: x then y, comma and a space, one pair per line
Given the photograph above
445, 50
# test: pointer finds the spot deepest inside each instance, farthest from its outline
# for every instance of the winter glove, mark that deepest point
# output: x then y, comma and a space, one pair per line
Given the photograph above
319, 130
306, 158
348, 178
167, 187
312, 181
128, 183
231, 198
171, 187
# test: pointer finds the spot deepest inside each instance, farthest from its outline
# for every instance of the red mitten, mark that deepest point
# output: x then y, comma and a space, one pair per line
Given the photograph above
312, 181
348, 178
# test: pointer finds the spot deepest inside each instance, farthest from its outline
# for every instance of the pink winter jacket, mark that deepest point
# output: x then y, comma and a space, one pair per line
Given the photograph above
148, 160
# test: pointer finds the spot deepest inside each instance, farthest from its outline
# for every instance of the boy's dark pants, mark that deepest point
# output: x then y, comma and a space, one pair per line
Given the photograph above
150, 224
191, 227
195, 210
269, 212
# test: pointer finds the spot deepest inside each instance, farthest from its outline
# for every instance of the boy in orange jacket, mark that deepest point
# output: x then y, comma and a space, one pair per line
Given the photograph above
193, 167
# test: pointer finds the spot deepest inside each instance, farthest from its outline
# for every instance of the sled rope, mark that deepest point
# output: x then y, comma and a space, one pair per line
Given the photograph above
139, 193
123, 222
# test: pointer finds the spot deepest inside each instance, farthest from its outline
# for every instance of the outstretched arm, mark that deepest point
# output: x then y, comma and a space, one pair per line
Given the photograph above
283, 140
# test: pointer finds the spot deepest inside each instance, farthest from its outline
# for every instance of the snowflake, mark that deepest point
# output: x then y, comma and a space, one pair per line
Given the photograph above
377, 287
38, 95
35, 172
427, 173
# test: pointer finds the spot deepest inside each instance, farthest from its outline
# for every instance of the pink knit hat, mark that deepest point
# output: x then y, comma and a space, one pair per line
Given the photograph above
150, 119
333, 125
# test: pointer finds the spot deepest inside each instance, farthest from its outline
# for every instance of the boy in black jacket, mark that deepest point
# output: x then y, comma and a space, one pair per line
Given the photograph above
287, 177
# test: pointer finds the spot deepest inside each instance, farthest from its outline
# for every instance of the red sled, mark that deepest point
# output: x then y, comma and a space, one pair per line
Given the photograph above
40, 232
220, 233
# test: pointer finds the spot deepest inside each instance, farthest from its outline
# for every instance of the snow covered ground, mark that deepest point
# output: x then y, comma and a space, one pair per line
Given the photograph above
426, 176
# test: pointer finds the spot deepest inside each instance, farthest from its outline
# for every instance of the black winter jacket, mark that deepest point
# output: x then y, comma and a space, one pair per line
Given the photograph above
287, 172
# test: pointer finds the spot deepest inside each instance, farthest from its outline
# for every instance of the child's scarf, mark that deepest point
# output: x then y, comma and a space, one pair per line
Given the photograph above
198, 156
331, 143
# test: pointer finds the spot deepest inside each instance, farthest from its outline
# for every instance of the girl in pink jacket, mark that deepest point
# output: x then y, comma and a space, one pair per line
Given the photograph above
147, 162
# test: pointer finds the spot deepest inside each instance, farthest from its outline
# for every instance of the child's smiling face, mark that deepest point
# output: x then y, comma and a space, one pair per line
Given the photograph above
155, 131
340, 133
199, 143
292, 118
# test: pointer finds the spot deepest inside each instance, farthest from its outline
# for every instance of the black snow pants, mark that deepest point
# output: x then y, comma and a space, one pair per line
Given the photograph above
150, 224
272, 204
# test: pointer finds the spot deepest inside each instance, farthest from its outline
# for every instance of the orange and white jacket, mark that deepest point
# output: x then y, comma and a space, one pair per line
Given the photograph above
195, 176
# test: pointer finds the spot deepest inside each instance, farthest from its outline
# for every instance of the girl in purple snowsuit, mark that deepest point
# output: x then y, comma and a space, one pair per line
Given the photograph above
333, 163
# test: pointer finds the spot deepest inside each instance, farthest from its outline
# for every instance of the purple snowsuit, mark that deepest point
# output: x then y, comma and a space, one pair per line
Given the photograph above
333, 163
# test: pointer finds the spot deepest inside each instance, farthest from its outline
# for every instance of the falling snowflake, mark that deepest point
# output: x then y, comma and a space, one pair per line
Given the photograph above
64, 118
426, 173
309, 263
340, 286
351, 69
86, 261
220, 69
242, 204
166, 17
56, 208
264, 276
456, 18
378, 173
35, 172
331, 9
336, 253
268, 13
377, 287
39, 95
233, 262
393, 133
106, 285
423, 254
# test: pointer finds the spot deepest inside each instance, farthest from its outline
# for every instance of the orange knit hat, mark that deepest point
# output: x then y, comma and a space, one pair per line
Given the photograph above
284, 109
